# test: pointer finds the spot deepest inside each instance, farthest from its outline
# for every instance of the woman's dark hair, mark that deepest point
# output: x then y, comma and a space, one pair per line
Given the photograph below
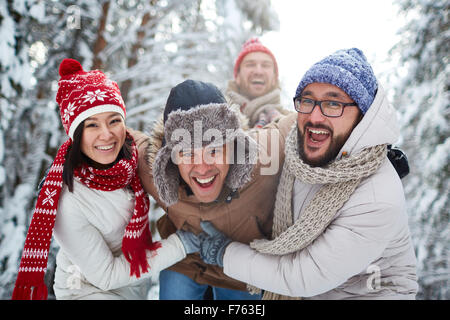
75, 157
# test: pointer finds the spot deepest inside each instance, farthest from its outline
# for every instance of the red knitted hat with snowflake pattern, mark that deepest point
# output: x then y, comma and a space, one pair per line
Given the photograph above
82, 94
253, 45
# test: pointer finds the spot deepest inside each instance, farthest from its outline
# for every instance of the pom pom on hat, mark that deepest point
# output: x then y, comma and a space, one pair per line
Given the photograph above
82, 94
347, 69
253, 45
69, 66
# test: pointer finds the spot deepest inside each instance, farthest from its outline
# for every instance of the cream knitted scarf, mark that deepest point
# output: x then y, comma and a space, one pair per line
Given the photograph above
340, 179
253, 108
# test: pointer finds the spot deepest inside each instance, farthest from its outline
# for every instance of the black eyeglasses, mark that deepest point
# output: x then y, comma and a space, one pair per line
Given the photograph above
329, 108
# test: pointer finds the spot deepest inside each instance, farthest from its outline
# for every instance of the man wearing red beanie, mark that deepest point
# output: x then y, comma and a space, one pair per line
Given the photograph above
255, 88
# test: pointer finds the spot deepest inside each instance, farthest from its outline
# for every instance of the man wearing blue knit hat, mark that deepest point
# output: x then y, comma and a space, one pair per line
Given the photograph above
340, 227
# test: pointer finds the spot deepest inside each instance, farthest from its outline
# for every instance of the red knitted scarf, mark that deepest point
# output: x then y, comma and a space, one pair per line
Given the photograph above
137, 238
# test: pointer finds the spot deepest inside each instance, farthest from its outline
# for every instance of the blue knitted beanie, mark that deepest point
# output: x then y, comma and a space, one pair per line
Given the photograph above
348, 70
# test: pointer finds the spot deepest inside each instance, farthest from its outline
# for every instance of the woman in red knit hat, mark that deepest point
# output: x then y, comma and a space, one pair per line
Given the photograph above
94, 201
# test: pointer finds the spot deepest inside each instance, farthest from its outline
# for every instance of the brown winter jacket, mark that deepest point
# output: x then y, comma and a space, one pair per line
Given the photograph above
242, 216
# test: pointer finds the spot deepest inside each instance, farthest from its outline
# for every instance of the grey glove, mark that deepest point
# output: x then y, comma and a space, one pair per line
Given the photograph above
212, 244
191, 242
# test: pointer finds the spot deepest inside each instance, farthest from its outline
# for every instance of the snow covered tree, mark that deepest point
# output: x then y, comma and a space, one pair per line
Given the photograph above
167, 42
423, 99
22, 137
147, 46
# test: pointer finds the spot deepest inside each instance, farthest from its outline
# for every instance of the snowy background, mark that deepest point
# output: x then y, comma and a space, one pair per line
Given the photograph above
150, 46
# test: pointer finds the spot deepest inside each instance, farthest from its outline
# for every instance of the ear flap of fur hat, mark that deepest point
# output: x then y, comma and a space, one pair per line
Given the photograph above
166, 176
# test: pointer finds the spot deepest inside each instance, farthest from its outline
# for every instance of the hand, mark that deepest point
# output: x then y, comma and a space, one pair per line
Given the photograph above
191, 242
212, 244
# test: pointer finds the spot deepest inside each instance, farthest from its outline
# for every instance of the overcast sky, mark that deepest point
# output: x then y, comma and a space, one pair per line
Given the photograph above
311, 30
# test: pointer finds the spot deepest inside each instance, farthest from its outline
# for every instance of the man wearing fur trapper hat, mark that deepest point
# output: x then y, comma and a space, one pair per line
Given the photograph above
201, 166
340, 228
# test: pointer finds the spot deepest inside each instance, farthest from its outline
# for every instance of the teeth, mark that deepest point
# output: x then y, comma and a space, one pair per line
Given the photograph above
258, 82
205, 180
318, 131
105, 147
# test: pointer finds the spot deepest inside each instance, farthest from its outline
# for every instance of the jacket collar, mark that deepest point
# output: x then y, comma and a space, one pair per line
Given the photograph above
378, 126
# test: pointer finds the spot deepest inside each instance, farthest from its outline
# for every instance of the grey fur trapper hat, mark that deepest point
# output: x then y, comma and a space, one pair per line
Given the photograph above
197, 115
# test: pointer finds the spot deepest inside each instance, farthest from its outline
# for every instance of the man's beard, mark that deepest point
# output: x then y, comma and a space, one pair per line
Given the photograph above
329, 155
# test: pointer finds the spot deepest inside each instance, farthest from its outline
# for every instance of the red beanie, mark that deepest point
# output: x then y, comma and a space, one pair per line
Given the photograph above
253, 45
81, 94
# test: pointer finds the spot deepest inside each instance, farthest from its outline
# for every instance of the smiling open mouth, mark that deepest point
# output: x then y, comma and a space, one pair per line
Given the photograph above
258, 82
105, 148
206, 182
318, 135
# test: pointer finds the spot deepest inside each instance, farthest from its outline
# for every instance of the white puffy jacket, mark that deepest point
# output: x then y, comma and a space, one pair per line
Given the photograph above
89, 228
